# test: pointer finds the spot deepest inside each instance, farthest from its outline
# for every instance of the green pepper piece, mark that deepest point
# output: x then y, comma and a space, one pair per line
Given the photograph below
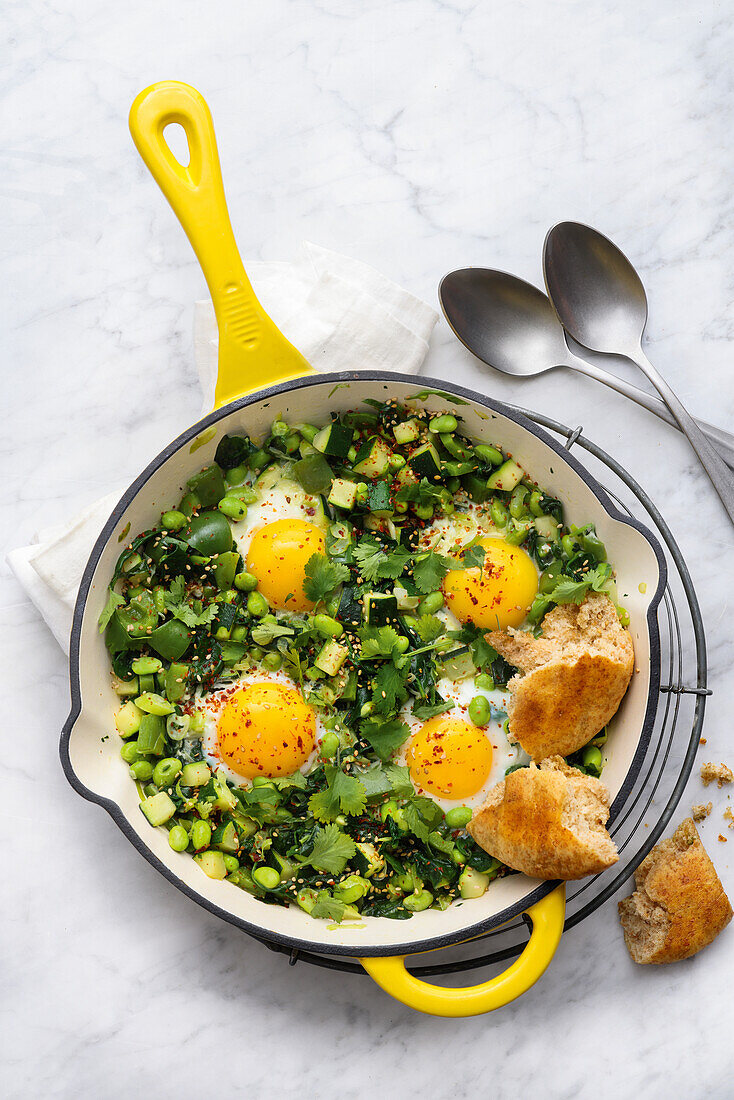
170, 640
313, 473
225, 569
208, 485
209, 533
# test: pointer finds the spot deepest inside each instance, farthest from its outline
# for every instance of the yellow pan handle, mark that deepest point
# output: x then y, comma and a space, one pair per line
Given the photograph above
252, 351
547, 916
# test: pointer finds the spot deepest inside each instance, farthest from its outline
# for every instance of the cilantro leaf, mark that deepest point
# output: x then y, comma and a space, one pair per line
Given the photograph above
389, 689
428, 710
328, 908
570, 591
429, 571
322, 577
381, 779
428, 628
473, 556
394, 564
266, 632
378, 641
332, 850
343, 794
385, 737
286, 782
422, 815
114, 600
376, 562
177, 603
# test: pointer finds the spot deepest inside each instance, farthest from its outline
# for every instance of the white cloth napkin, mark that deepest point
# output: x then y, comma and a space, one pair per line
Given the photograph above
341, 314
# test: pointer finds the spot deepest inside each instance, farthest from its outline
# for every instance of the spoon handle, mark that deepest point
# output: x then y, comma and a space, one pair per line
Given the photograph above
722, 441
721, 477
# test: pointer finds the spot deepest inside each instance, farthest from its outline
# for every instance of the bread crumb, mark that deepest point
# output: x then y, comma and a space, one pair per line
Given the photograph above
722, 838
719, 772
701, 810
702, 740
729, 816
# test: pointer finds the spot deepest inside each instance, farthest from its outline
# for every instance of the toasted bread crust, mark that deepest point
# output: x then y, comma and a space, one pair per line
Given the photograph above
547, 822
572, 679
679, 905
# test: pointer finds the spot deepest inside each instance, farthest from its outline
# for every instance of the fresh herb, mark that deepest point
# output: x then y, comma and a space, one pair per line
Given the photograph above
323, 577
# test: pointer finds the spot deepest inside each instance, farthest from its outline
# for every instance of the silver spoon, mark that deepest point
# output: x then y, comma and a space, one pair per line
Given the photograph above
601, 302
510, 325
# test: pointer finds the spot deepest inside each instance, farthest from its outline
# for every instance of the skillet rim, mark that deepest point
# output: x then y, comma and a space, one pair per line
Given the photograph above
423, 382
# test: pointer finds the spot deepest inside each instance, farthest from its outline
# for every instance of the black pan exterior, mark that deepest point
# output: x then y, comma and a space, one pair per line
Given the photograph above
411, 945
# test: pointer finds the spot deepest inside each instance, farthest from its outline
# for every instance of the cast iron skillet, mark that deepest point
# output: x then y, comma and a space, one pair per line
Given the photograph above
255, 357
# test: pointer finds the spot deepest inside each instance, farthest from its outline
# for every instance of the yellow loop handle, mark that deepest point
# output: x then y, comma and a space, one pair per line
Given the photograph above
252, 351
547, 917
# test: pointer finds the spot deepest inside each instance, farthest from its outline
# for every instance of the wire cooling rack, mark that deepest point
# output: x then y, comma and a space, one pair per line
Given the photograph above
670, 754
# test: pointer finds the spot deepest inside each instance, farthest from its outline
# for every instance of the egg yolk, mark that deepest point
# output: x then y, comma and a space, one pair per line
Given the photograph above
277, 557
265, 729
449, 757
500, 593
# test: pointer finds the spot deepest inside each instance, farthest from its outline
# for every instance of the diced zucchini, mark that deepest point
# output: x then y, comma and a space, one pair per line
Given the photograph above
128, 719
406, 602
373, 458
158, 808
472, 883
547, 528
378, 500
151, 735
212, 863
380, 608
331, 657
334, 439
407, 432
506, 477
195, 775
476, 487
368, 859
176, 681
458, 664
343, 493
126, 688
424, 462
226, 837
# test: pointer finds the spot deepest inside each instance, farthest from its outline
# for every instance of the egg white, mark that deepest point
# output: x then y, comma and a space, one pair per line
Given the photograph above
212, 704
280, 498
450, 534
504, 754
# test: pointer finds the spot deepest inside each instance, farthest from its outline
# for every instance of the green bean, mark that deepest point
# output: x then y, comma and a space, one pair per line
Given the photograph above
490, 455
129, 752
518, 532
257, 604
232, 508
534, 503
308, 431
166, 771
498, 512
400, 506
444, 423
178, 838
201, 835
266, 877
256, 653
273, 661
484, 680
141, 770
173, 520
479, 710
329, 745
416, 903
231, 863
144, 666
327, 626
458, 817
431, 603
159, 599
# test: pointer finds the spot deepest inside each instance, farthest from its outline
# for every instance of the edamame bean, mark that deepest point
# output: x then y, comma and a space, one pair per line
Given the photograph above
201, 835
292, 442
145, 666
400, 506
416, 903
592, 758
423, 511
490, 455
329, 745
535, 503
498, 512
479, 710
232, 508
246, 582
258, 459
239, 634
266, 877
257, 604
431, 603
279, 429
231, 863
273, 661
173, 520
458, 817
152, 703
517, 501
166, 771
396, 462
327, 626
236, 475
402, 644
129, 752
484, 680
141, 770
178, 838
570, 546
256, 653
444, 423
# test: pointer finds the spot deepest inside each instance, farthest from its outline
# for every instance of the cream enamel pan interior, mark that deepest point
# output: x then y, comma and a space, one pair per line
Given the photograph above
90, 746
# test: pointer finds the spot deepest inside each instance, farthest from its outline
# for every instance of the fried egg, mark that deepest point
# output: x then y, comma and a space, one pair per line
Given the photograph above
259, 726
450, 759
280, 532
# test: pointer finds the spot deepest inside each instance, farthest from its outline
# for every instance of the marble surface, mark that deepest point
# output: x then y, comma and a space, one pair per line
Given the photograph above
419, 136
